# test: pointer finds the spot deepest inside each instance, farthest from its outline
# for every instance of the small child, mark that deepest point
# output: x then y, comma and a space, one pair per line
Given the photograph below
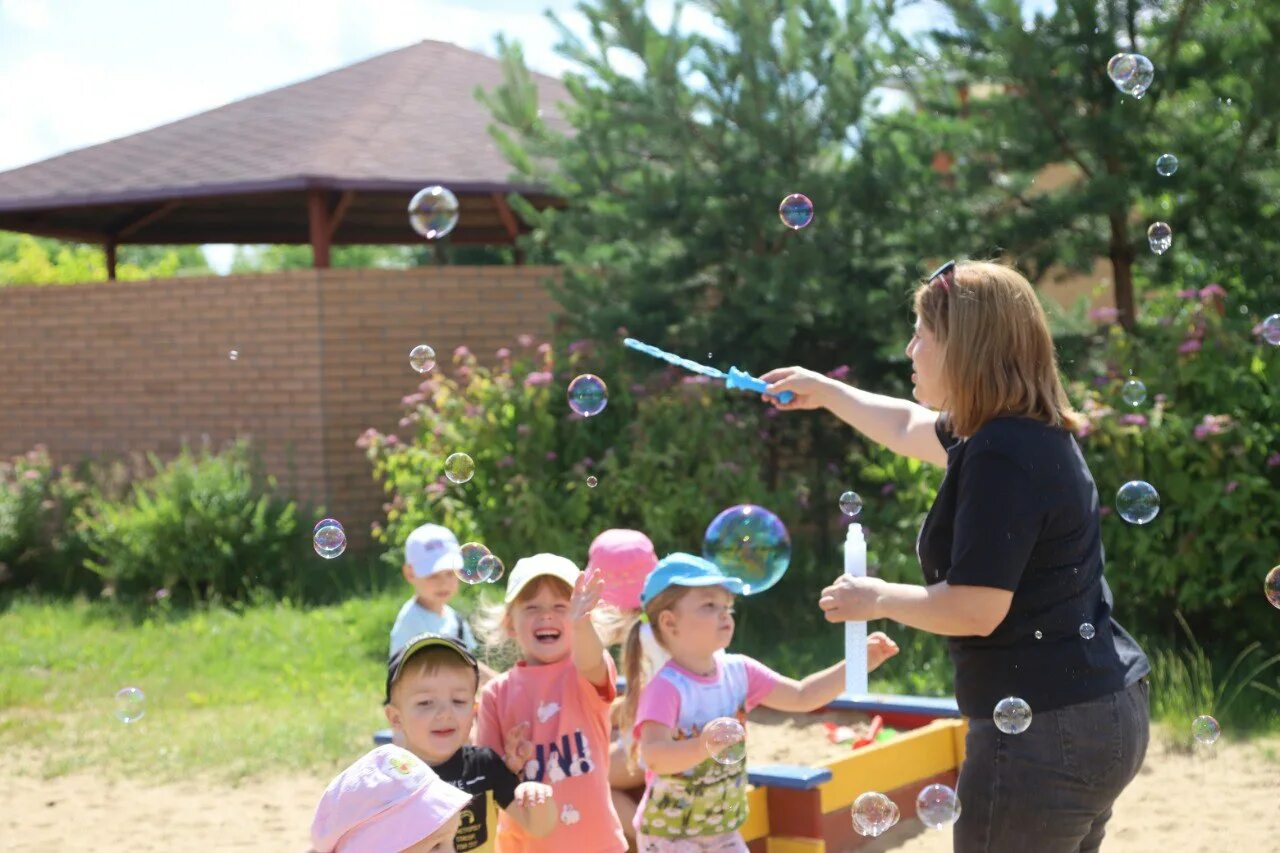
387, 800
625, 558
431, 558
690, 799
557, 698
431, 704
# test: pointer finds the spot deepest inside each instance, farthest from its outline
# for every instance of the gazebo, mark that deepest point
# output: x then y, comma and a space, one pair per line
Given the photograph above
332, 160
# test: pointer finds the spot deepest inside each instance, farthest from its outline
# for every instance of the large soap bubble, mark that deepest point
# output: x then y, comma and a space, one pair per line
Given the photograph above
433, 212
749, 543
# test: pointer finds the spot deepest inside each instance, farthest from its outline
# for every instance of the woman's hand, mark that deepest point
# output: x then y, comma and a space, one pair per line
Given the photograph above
809, 387
851, 599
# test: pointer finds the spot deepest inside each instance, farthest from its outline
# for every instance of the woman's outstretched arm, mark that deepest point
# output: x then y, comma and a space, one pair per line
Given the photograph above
903, 426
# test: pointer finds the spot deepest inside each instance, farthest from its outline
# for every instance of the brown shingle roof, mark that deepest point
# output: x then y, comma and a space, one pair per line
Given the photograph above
383, 127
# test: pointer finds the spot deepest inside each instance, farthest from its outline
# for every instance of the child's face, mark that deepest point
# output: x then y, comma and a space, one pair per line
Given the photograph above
440, 841
700, 623
433, 709
541, 626
433, 591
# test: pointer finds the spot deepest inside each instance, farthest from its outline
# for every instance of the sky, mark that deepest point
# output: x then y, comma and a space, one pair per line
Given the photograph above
78, 72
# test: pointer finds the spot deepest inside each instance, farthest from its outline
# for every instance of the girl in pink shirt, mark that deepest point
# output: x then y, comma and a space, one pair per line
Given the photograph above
550, 712
692, 802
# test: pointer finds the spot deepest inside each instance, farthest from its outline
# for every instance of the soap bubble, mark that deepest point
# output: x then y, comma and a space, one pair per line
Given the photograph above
1271, 586
1039, 634
433, 212
491, 567
130, 704
329, 540
874, 814
1166, 165
749, 543
1271, 330
726, 740
937, 806
1160, 237
851, 503
1087, 630
591, 482
234, 355
474, 568
1134, 392
459, 468
422, 358
326, 522
796, 211
1137, 502
1012, 715
1205, 729
1132, 73
588, 395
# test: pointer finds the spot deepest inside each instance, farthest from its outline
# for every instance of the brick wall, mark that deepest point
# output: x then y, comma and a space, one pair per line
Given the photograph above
101, 370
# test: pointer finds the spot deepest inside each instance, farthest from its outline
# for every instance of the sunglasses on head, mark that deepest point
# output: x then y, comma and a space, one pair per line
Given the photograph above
944, 275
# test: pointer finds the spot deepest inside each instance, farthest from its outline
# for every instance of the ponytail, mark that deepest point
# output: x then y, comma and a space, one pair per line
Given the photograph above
633, 670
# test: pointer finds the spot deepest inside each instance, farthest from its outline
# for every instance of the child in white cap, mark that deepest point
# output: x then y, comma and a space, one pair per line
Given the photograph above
431, 559
388, 800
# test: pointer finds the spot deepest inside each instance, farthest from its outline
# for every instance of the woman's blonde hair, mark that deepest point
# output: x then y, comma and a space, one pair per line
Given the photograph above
996, 351
633, 656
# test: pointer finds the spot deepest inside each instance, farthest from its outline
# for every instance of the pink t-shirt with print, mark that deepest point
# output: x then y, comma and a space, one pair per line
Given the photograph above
568, 721
709, 799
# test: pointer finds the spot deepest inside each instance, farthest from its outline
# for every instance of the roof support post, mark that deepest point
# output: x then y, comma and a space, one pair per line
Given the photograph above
109, 248
508, 217
318, 225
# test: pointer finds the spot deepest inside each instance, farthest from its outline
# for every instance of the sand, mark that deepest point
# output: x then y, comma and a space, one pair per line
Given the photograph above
1180, 803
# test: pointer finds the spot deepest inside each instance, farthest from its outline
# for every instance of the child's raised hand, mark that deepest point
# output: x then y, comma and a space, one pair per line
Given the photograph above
586, 594
879, 649
517, 747
530, 794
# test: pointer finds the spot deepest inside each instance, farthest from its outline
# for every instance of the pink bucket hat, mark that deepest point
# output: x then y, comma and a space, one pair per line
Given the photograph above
388, 799
625, 557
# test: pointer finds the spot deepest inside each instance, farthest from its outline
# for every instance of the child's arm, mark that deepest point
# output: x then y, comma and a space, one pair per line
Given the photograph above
534, 808
588, 651
665, 755
821, 688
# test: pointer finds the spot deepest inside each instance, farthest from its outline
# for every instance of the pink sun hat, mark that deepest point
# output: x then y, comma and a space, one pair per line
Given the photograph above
625, 557
389, 799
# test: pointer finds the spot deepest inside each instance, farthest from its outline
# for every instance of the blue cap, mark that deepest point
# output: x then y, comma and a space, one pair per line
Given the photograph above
680, 569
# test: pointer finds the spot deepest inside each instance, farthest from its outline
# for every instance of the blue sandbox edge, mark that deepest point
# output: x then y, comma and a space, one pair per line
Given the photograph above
873, 703
792, 776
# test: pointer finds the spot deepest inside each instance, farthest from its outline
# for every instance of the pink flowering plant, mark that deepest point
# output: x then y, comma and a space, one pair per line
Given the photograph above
39, 547
667, 453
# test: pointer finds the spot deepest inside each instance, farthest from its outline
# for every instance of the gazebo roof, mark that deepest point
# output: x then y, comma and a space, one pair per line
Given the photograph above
338, 155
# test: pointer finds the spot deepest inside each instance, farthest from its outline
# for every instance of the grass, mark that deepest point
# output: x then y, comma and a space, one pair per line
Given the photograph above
276, 687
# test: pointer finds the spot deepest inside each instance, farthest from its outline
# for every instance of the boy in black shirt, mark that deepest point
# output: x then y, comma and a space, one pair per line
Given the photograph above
431, 704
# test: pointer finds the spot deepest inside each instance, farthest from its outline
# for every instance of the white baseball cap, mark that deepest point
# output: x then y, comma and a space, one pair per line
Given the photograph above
431, 549
528, 568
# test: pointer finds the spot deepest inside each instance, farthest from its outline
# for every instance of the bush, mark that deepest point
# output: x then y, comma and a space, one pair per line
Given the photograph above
204, 526
39, 547
1206, 439
669, 452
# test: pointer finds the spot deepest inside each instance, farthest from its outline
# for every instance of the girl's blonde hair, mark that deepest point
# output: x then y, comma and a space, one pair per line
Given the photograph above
997, 353
494, 620
633, 656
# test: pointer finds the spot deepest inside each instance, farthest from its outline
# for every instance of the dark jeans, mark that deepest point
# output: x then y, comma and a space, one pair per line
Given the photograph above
1051, 788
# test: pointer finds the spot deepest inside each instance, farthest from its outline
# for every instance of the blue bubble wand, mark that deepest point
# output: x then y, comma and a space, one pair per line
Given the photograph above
735, 379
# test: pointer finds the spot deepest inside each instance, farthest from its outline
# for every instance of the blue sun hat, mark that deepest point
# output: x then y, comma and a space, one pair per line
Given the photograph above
680, 569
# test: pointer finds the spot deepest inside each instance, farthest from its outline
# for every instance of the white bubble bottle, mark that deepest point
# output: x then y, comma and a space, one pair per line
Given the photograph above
855, 633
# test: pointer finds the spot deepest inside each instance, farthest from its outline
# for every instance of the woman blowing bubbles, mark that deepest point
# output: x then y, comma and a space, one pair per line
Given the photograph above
1012, 560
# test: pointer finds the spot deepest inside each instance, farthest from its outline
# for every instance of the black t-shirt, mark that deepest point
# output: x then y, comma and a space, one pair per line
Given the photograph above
1018, 510
479, 771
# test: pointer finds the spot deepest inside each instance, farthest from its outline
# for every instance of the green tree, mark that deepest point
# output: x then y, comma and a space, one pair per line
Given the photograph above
1007, 98
25, 259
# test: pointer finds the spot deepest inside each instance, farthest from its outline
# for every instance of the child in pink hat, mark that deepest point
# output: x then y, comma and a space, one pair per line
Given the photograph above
625, 558
388, 800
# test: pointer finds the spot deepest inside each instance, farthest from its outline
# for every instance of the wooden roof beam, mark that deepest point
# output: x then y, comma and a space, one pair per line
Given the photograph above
122, 229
